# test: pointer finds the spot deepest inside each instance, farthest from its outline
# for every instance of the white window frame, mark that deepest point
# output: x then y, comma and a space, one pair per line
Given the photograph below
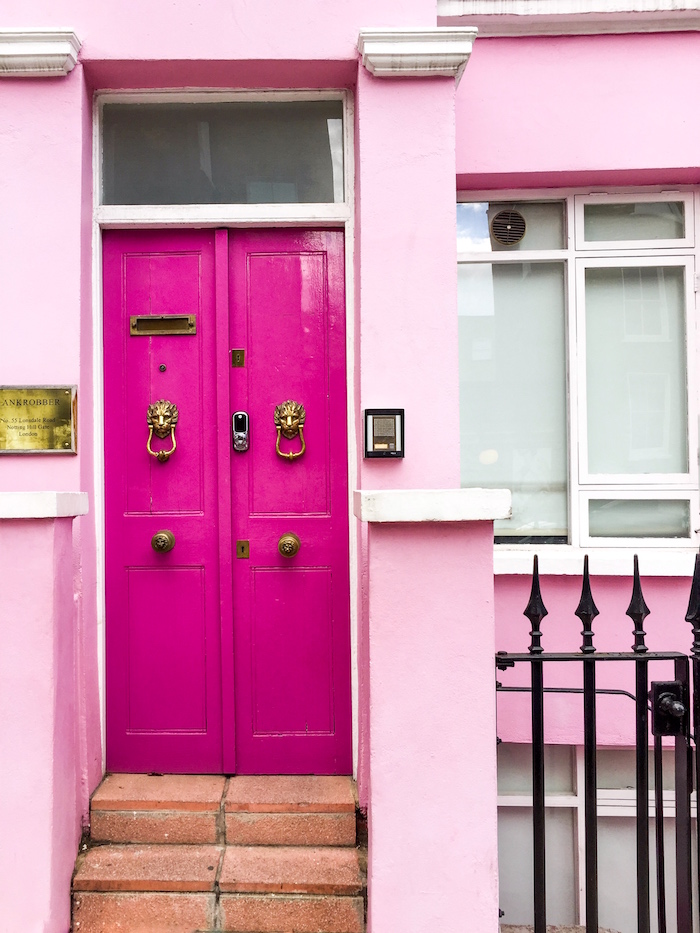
582, 200
664, 557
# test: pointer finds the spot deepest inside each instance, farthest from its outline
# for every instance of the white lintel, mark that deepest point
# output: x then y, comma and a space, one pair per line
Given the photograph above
431, 505
38, 53
416, 53
571, 17
43, 504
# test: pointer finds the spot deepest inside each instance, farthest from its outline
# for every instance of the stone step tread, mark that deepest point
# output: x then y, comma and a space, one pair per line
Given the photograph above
242, 913
305, 793
148, 868
155, 826
159, 792
291, 869
192, 868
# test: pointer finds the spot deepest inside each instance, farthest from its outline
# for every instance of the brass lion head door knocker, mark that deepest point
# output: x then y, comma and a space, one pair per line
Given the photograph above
161, 419
289, 421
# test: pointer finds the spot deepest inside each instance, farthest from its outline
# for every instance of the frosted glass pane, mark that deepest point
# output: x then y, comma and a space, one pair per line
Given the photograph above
515, 769
617, 768
640, 221
515, 865
513, 391
223, 153
639, 518
635, 370
544, 225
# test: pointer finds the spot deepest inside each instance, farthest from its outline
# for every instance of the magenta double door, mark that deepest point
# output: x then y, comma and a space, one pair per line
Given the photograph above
224, 654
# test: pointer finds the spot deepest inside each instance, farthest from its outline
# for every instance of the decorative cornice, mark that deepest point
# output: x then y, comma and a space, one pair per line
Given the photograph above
416, 53
571, 17
38, 53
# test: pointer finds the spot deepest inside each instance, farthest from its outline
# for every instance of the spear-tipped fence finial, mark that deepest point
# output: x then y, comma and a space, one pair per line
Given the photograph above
587, 610
638, 611
535, 610
693, 613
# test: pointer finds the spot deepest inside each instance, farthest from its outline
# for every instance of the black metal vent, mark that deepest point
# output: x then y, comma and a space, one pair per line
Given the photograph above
508, 227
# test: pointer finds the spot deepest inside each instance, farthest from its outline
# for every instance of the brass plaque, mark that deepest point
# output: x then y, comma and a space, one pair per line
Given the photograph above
156, 325
38, 419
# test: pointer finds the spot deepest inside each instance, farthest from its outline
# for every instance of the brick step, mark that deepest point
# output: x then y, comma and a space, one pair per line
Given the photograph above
240, 869
188, 888
258, 810
150, 912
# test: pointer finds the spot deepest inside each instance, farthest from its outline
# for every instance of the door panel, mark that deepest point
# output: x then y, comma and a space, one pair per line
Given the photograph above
291, 623
163, 621
216, 663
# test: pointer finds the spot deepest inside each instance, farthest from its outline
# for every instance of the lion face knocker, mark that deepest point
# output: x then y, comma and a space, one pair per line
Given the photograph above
161, 419
289, 421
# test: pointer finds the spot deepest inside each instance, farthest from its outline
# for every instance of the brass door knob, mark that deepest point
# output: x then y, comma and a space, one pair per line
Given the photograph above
288, 545
163, 541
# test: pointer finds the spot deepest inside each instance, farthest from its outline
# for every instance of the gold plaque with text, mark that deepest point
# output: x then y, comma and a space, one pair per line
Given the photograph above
38, 419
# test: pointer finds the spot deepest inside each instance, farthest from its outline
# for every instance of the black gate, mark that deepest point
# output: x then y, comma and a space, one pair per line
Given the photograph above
665, 704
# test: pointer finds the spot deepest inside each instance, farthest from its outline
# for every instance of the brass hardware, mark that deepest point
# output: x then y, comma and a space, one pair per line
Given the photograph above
288, 545
163, 541
243, 550
157, 325
237, 358
289, 421
161, 418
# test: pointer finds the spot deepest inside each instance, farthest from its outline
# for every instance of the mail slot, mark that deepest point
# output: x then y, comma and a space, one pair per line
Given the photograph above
150, 325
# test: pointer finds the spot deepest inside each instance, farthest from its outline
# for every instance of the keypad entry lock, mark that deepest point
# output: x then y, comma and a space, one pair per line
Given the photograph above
240, 424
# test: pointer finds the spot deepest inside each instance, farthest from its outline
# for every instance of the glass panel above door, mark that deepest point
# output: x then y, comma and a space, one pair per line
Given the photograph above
240, 152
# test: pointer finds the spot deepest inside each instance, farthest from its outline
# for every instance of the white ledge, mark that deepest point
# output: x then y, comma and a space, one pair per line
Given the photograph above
43, 504
567, 560
431, 505
38, 53
416, 53
571, 17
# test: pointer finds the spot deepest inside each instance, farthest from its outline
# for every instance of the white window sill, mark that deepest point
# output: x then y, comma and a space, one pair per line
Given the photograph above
564, 559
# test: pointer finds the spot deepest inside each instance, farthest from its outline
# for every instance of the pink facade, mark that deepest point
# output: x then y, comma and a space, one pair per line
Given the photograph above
426, 612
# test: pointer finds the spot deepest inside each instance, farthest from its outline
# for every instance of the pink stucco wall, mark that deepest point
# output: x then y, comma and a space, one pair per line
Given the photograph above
39, 787
432, 844
572, 110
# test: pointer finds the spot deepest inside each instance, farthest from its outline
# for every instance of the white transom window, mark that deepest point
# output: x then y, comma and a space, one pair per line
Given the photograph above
577, 365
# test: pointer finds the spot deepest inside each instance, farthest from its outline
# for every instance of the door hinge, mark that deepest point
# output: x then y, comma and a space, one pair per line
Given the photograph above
243, 549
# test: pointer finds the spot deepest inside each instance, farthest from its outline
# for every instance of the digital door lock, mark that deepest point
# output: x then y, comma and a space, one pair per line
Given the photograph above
240, 424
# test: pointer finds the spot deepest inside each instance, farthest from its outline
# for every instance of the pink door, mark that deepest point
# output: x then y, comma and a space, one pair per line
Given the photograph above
223, 654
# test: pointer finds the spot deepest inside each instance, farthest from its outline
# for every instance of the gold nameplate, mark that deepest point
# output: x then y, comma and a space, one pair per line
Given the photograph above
157, 325
38, 419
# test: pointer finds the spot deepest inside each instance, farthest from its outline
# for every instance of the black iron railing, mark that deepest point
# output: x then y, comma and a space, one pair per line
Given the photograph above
664, 703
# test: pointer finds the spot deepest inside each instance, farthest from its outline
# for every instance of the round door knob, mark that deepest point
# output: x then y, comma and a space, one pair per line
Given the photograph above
163, 541
288, 545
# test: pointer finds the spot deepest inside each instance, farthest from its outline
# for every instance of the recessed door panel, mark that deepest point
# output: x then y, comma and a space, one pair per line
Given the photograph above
287, 313
167, 676
292, 652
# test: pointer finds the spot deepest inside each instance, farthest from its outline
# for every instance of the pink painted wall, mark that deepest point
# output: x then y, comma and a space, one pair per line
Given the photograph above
432, 843
579, 110
39, 799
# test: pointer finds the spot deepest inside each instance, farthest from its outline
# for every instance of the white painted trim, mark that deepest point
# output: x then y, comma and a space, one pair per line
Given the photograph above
43, 504
416, 53
431, 505
217, 215
496, 18
567, 560
38, 53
